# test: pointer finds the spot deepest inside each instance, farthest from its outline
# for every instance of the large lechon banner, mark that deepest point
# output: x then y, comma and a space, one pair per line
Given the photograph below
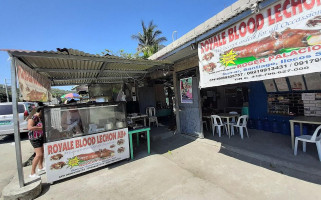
32, 85
281, 40
66, 158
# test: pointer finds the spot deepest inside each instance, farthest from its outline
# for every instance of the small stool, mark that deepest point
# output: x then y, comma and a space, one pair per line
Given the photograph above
131, 132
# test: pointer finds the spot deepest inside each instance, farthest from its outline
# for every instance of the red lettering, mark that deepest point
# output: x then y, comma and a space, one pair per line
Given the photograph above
285, 12
206, 46
251, 25
293, 53
202, 47
211, 43
296, 4
230, 35
219, 40
271, 21
215, 42
224, 37
49, 149
277, 10
307, 5
55, 148
316, 47
236, 34
259, 21
278, 56
242, 27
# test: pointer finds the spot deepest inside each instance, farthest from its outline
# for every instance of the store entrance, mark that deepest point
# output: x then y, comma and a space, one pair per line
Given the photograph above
189, 103
224, 101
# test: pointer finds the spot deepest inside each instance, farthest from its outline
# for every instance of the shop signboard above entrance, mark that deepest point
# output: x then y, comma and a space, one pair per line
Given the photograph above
279, 41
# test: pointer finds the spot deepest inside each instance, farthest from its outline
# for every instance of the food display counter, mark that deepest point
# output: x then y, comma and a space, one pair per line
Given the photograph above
81, 137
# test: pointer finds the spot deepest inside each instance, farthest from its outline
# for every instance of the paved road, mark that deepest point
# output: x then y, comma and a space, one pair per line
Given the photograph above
181, 168
8, 157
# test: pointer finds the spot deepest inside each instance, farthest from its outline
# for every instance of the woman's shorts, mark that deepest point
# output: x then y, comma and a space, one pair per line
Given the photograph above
37, 142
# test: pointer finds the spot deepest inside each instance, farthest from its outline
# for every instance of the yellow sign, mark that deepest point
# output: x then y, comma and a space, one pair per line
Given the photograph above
72, 162
228, 58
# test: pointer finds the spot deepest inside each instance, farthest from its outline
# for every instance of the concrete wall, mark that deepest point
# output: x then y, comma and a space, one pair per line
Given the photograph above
186, 64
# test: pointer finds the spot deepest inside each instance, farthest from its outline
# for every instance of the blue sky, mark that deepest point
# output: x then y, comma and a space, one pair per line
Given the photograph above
93, 26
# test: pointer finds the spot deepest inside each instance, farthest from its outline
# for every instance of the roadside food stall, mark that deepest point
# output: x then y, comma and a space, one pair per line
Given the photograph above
82, 137
100, 134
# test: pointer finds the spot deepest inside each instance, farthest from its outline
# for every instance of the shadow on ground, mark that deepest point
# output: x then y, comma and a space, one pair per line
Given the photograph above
272, 151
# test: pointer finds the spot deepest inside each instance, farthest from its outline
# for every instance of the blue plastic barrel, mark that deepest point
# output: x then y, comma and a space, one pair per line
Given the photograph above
259, 124
266, 125
275, 126
285, 128
297, 130
251, 124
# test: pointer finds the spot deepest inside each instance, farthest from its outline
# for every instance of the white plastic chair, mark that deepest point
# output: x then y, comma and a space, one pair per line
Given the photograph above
309, 138
241, 124
151, 113
217, 122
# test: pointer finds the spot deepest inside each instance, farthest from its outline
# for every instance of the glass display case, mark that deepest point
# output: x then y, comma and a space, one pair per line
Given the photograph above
74, 120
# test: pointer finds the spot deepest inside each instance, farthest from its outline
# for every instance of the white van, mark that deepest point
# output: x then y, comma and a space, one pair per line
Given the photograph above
6, 117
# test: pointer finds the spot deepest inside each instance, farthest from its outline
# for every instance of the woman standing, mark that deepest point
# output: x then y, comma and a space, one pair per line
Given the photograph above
36, 139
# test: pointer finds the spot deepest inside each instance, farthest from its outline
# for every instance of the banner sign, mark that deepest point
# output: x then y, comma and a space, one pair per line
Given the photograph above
279, 41
69, 157
32, 85
186, 85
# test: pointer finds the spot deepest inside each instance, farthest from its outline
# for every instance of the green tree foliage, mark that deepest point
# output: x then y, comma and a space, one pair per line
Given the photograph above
149, 41
120, 53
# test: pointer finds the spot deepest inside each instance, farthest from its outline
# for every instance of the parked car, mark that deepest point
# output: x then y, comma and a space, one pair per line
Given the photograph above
6, 116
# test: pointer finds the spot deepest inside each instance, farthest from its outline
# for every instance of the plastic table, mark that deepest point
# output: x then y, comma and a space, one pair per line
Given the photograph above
302, 120
141, 130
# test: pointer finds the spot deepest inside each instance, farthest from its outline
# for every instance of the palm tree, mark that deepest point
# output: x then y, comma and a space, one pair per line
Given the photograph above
149, 41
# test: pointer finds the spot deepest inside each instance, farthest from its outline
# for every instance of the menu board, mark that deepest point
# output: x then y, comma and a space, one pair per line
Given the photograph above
281, 84
297, 83
308, 96
269, 85
313, 81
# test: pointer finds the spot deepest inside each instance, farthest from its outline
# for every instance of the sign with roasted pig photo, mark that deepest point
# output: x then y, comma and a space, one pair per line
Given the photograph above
69, 157
33, 86
281, 40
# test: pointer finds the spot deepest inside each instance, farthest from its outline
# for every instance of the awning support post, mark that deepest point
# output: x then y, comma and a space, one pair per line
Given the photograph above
16, 121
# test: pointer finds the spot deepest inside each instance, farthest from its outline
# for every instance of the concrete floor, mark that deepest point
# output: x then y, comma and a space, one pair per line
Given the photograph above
8, 164
276, 150
181, 168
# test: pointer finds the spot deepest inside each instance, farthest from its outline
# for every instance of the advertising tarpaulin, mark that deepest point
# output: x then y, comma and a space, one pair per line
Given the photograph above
69, 157
281, 40
33, 86
186, 90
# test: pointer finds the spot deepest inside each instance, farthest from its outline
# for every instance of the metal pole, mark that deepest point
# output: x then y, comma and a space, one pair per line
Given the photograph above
5, 83
16, 121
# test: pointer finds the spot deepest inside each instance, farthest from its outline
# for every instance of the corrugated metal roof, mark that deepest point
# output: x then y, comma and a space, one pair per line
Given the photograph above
73, 67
